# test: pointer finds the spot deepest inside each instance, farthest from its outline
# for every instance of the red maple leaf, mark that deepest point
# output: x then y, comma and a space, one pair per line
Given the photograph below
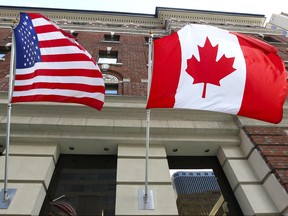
207, 70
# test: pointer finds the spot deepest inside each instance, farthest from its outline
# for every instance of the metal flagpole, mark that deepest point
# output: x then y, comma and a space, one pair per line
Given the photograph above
7, 194
145, 198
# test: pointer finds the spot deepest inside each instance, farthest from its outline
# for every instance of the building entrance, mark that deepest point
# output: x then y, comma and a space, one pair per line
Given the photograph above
82, 184
201, 187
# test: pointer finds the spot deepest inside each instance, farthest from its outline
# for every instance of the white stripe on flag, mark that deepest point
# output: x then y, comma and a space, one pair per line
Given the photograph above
59, 92
57, 66
50, 36
61, 79
40, 22
61, 50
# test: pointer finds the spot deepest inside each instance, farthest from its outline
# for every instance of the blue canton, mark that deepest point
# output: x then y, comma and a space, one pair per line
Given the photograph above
27, 46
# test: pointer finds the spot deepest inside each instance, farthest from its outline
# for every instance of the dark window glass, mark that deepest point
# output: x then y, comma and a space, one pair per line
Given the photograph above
271, 39
111, 38
75, 34
87, 183
3, 51
107, 58
111, 89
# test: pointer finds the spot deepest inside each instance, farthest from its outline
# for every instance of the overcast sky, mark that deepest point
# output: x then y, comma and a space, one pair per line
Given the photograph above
148, 6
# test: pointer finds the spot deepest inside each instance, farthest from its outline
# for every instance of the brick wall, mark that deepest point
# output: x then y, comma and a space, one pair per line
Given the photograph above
272, 143
5, 37
132, 53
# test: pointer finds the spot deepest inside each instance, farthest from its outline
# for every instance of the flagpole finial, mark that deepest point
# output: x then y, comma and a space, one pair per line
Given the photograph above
14, 23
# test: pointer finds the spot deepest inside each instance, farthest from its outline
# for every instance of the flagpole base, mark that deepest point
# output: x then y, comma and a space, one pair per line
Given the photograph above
146, 202
4, 203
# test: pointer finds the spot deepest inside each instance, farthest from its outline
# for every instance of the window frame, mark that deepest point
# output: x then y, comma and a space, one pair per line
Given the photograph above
106, 58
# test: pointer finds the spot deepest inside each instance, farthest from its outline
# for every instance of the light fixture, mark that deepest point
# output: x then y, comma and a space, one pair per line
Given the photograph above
108, 50
112, 34
105, 67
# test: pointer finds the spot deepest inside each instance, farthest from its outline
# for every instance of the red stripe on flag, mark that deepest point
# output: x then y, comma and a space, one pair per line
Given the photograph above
264, 70
46, 29
37, 15
70, 86
94, 103
55, 43
65, 57
63, 72
167, 63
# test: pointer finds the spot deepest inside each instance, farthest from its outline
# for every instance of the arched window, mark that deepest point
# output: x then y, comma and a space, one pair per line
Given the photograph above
111, 84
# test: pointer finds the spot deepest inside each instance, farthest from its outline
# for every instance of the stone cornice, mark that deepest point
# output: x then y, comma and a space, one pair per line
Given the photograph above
161, 22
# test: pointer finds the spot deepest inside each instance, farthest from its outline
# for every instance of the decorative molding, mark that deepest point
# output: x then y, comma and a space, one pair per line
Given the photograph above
108, 78
127, 80
161, 23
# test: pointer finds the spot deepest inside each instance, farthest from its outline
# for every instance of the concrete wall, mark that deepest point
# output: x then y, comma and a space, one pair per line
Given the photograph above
131, 176
257, 190
30, 170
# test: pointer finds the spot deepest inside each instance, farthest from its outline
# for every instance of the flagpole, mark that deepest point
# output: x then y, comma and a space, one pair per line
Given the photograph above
146, 200
9, 193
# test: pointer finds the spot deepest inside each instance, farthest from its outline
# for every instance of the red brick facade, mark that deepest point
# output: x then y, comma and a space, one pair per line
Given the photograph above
272, 143
5, 37
132, 53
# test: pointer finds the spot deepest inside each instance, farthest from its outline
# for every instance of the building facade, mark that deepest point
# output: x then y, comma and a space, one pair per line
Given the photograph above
96, 160
279, 22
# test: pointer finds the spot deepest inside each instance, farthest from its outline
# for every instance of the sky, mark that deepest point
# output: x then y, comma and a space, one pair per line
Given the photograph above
264, 7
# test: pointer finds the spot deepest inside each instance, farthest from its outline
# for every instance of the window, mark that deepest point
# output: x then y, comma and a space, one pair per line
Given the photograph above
271, 39
107, 58
146, 40
2, 56
111, 89
111, 37
202, 187
4, 50
86, 182
75, 34
111, 84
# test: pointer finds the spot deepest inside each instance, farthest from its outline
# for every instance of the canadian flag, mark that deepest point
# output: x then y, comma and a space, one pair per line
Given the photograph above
206, 68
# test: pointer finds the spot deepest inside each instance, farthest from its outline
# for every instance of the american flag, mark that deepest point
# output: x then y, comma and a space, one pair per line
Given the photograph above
51, 66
